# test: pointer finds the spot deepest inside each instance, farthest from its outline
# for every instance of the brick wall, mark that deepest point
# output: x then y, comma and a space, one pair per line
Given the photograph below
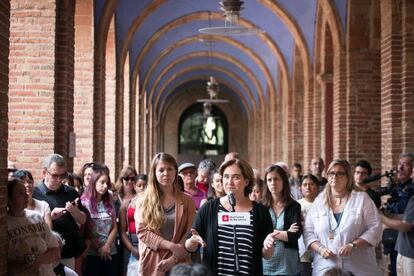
407, 73
363, 83
4, 85
32, 79
391, 56
83, 82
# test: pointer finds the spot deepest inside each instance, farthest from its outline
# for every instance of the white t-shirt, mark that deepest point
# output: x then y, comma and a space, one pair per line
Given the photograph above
29, 234
304, 206
42, 207
306, 255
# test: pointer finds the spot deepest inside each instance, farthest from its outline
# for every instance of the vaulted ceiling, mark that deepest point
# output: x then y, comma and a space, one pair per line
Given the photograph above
167, 53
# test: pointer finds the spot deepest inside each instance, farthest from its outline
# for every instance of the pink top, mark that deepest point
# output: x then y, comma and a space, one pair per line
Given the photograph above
197, 197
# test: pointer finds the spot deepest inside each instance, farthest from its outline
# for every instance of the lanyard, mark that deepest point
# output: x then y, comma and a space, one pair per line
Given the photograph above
331, 231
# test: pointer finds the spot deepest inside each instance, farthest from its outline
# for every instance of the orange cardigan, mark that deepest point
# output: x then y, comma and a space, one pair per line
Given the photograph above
149, 253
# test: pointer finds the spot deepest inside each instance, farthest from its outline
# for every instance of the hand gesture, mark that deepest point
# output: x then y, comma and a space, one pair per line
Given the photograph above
345, 250
105, 252
72, 206
270, 240
326, 253
196, 238
57, 213
294, 228
166, 265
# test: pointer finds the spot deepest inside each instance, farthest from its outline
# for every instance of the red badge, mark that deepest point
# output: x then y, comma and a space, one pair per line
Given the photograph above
225, 217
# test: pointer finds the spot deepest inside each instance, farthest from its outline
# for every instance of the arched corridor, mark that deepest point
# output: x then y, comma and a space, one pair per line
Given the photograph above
109, 80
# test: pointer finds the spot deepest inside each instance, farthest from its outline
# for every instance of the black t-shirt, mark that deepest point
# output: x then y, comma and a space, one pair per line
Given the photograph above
65, 225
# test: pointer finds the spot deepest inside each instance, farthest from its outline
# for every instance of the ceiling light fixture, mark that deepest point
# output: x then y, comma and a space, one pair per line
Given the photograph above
231, 9
213, 90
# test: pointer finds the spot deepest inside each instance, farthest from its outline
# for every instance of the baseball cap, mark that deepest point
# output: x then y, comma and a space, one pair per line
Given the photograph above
186, 166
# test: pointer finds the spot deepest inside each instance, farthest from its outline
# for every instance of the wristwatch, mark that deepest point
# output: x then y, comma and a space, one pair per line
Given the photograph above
29, 259
354, 245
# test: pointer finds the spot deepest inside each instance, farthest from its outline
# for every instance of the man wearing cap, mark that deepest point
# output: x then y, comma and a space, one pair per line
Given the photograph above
188, 173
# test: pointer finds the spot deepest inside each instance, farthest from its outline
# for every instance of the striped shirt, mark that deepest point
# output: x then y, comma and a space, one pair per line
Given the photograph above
226, 256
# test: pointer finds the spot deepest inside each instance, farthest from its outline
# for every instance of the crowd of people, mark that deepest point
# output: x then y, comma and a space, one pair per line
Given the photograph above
210, 220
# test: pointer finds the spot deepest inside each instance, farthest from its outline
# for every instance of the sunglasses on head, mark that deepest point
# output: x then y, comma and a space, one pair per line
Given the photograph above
127, 178
96, 166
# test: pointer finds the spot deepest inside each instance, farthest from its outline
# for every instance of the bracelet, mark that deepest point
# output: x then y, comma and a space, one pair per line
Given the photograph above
320, 248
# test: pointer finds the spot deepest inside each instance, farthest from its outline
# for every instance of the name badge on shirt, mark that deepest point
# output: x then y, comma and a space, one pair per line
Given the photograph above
239, 218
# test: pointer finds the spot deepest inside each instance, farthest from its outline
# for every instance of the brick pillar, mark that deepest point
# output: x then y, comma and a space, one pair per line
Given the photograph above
391, 56
64, 75
119, 127
407, 76
99, 96
83, 82
32, 96
133, 125
138, 127
267, 134
142, 130
126, 113
4, 100
110, 85
284, 118
297, 123
363, 83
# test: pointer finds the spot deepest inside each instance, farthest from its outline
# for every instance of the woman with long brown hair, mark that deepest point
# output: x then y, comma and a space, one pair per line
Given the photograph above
285, 212
163, 218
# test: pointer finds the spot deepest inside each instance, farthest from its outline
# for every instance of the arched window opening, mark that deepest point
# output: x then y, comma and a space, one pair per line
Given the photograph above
202, 135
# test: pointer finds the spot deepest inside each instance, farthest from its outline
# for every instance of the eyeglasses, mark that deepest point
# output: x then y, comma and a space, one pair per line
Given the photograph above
132, 178
57, 176
338, 174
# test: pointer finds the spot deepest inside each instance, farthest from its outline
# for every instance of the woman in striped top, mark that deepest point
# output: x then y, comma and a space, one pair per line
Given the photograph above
238, 248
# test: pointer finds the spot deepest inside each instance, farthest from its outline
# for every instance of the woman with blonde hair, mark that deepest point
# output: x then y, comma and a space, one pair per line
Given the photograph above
163, 218
343, 225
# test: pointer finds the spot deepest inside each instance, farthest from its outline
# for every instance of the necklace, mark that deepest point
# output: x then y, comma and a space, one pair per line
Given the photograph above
331, 232
338, 199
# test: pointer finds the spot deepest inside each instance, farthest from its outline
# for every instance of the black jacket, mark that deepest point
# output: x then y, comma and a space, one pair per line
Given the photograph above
292, 215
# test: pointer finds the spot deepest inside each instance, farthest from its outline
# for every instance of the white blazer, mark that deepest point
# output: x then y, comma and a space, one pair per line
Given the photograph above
360, 219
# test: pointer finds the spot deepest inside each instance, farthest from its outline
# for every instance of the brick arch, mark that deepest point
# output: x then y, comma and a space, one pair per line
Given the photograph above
165, 103
297, 35
230, 41
212, 67
217, 55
